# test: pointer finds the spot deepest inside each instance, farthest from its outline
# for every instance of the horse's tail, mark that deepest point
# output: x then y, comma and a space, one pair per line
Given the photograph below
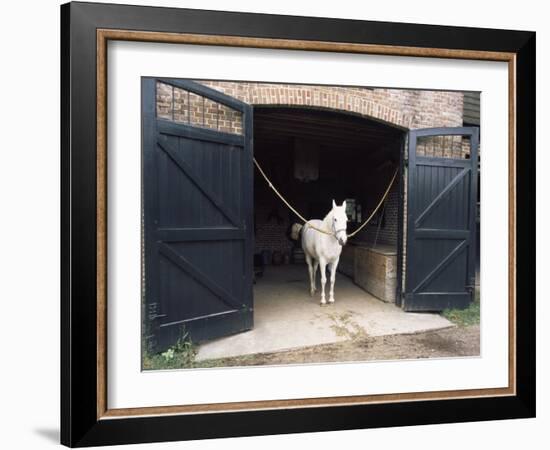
295, 231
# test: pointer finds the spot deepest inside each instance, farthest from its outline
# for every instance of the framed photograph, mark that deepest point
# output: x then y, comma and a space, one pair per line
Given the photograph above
277, 224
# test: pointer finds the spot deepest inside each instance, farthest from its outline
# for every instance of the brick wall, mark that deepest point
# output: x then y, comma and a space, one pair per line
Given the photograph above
405, 108
272, 223
387, 233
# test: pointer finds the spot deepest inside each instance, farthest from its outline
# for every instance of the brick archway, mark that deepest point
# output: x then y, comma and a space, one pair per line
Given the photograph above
378, 104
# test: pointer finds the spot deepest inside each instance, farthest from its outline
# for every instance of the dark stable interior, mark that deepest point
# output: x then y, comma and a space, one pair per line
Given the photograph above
313, 156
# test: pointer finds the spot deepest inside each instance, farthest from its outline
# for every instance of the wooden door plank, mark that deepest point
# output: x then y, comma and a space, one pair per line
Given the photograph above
179, 260
169, 149
422, 216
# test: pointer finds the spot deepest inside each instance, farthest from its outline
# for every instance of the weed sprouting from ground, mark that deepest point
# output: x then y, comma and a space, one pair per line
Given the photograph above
180, 356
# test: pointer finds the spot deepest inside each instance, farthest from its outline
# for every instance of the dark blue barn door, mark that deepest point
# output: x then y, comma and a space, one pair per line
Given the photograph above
197, 212
441, 218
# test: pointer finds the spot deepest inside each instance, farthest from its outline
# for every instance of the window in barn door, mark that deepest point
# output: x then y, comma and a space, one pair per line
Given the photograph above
182, 106
448, 146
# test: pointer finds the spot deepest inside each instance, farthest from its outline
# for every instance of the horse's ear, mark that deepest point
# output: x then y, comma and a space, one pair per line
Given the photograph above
344, 205
333, 203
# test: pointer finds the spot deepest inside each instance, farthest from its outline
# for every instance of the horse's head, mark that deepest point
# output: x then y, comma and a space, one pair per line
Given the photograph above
339, 222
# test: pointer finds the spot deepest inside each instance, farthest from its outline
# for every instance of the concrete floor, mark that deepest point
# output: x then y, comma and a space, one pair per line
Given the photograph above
286, 317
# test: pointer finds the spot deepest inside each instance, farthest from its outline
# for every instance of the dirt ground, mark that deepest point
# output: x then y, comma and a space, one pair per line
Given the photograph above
450, 342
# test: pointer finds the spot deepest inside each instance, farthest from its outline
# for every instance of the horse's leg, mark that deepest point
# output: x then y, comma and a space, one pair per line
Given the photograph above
323, 266
315, 267
311, 275
332, 266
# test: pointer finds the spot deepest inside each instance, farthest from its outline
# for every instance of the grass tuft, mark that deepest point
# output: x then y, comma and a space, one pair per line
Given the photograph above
465, 317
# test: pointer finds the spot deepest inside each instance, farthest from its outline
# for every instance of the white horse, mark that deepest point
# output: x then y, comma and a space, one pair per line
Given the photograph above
323, 249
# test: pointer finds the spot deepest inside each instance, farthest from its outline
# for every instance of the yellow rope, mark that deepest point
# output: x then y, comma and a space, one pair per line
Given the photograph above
377, 206
313, 226
285, 202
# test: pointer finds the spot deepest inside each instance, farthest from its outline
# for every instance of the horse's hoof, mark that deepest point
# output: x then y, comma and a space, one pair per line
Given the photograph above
323, 303
331, 300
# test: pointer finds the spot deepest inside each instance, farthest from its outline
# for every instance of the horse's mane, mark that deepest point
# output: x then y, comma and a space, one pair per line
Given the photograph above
328, 216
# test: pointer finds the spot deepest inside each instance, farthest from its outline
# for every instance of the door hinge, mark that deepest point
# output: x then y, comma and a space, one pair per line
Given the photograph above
152, 312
